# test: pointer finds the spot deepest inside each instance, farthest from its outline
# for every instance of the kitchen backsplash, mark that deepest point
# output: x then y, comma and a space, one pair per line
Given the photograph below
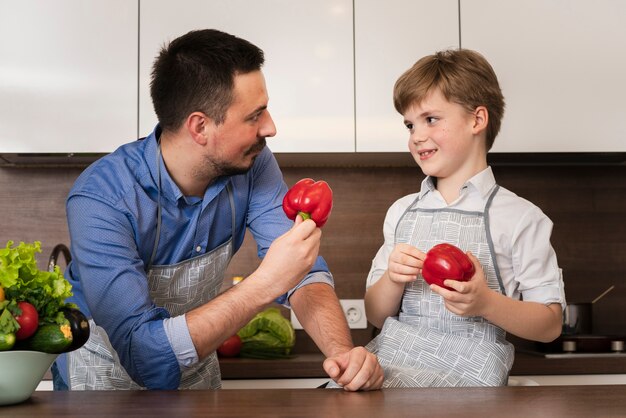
586, 203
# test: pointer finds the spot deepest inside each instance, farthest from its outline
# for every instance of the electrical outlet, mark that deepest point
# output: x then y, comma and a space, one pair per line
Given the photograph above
353, 309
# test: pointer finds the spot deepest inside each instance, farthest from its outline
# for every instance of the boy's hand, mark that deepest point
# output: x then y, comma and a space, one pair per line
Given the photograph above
405, 263
471, 298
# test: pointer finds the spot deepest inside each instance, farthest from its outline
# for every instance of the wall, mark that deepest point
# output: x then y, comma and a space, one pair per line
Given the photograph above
586, 203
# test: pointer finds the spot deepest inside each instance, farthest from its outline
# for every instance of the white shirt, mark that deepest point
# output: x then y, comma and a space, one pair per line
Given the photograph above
519, 229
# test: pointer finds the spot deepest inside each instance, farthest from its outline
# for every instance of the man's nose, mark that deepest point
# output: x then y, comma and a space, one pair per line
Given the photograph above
268, 128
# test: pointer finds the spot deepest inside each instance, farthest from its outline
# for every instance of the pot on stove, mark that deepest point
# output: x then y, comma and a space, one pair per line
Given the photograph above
577, 317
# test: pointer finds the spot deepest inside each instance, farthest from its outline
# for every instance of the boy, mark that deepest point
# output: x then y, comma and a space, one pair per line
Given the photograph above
431, 336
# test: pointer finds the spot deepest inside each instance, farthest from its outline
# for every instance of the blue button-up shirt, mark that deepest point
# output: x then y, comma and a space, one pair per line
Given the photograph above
112, 215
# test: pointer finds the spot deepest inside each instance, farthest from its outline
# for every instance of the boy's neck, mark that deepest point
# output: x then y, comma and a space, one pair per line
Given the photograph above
450, 187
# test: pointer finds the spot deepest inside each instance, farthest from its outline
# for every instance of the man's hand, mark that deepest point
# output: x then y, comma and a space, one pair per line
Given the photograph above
290, 256
357, 369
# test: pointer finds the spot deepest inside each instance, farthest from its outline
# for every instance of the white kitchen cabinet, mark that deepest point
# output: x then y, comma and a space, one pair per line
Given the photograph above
68, 75
308, 70
561, 65
390, 37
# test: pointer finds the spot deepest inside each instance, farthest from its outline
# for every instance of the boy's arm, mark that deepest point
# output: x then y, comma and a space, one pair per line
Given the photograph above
383, 298
529, 320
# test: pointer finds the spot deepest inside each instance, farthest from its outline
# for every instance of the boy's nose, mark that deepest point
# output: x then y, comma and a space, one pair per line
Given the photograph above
417, 137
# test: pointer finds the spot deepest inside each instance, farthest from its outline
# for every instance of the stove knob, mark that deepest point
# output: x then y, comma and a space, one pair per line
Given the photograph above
569, 346
617, 346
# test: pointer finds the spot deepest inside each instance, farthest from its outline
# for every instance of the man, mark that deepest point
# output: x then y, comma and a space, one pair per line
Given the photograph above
154, 225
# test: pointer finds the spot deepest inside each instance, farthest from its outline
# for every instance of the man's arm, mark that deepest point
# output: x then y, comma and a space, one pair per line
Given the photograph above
288, 259
321, 316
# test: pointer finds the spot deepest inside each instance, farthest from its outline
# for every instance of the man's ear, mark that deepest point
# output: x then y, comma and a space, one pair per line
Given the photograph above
481, 119
199, 127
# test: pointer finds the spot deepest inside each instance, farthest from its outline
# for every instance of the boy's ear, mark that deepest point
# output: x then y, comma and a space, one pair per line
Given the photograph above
481, 119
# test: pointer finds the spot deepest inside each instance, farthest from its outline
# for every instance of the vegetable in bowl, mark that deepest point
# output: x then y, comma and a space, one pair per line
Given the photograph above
26, 291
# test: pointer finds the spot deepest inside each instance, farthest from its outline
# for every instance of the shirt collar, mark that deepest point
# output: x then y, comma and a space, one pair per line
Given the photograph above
482, 182
169, 189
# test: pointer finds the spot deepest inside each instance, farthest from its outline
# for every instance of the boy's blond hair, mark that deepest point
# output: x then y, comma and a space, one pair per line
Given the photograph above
463, 76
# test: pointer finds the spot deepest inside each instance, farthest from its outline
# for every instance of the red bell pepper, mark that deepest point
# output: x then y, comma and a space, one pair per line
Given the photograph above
445, 261
310, 199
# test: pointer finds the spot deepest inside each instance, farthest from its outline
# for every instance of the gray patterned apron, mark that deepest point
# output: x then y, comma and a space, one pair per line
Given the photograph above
178, 288
427, 345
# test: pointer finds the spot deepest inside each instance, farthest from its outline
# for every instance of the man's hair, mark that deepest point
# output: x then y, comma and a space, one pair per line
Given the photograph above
196, 71
463, 76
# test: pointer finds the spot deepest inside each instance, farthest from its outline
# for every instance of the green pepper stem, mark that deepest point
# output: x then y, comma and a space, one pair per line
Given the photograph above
304, 215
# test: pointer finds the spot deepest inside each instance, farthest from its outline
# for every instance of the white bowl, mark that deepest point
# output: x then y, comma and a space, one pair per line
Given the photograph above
20, 373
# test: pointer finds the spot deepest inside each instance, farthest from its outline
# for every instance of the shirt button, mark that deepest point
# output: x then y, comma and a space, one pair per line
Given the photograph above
198, 249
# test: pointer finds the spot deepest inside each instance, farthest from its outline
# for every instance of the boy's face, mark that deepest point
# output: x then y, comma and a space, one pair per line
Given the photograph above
444, 137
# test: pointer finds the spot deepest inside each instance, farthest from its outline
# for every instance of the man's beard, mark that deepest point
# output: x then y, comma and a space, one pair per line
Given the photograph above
222, 168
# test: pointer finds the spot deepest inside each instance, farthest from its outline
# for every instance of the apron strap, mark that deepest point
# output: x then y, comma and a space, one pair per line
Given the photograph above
158, 225
231, 201
490, 239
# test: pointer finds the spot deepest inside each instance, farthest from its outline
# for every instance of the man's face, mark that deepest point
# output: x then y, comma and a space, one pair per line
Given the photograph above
241, 137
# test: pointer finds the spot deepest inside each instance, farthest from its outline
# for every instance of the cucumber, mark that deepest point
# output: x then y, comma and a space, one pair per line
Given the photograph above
50, 338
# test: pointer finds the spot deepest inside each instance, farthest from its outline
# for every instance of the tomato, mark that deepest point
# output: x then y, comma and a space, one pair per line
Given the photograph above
1, 294
28, 320
7, 341
231, 347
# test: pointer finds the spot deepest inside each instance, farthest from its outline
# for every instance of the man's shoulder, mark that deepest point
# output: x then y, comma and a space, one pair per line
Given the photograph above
114, 175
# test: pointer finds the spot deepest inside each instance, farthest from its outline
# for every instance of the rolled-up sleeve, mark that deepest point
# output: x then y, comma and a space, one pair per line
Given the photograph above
534, 260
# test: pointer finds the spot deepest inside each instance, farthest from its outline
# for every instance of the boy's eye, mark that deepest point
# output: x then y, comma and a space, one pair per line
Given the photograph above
409, 126
431, 119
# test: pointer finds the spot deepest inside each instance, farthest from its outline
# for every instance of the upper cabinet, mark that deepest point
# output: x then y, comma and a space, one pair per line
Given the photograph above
68, 75
309, 68
561, 65
390, 37
75, 75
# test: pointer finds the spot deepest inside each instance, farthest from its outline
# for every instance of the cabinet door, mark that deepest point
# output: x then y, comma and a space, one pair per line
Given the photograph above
308, 69
68, 75
390, 37
561, 66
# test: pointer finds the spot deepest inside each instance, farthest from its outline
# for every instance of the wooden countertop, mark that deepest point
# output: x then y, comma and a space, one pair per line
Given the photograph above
521, 401
310, 365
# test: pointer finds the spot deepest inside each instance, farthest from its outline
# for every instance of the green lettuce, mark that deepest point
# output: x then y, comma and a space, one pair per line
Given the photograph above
23, 281
268, 335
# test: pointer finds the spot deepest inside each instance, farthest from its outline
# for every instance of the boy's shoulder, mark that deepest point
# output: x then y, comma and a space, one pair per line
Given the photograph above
514, 203
405, 201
